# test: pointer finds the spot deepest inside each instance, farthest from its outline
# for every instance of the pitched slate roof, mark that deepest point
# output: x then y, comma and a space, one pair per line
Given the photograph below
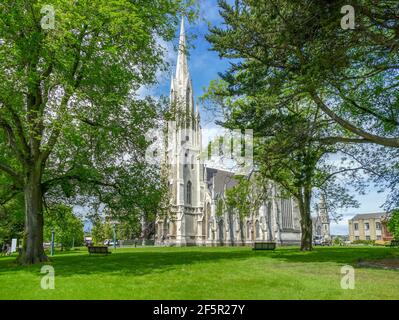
365, 216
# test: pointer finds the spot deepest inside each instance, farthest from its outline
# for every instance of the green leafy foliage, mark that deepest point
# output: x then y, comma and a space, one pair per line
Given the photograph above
294, 50
246, 197
219, 207
101, 231
67, 227
12, 219
393, 224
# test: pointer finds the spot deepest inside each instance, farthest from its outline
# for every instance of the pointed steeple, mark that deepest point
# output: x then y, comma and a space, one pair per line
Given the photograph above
182, 73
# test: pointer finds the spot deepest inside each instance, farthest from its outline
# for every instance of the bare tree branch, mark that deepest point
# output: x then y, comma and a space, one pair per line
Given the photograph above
388, 142
334, 140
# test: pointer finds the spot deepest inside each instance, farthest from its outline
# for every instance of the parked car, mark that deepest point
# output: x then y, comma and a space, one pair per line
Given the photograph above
110, 243
318, 240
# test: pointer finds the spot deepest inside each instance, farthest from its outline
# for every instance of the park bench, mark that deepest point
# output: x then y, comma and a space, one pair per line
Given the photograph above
258, 245
394, 243
98, 250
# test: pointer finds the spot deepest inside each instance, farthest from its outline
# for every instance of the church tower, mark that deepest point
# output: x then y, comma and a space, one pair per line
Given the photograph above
325, 220
183, 149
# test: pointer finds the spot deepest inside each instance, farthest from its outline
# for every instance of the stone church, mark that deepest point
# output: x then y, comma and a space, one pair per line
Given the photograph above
195, 187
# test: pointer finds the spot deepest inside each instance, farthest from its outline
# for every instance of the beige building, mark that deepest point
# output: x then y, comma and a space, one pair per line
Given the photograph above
369, 226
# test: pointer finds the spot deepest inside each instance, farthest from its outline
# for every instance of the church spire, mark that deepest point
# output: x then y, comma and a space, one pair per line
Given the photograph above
182, 73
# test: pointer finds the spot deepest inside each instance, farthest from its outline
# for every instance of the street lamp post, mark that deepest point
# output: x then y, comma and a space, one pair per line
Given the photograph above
52, 242
114, 225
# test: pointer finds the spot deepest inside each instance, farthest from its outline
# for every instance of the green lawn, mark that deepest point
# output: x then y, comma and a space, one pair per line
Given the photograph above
204, 273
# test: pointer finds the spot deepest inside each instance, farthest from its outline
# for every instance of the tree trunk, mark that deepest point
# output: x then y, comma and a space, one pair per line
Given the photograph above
306, 221
32, 251
306, 237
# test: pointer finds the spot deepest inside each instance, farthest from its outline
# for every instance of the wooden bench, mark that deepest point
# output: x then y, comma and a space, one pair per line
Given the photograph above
98, 250
394, 243
258, 245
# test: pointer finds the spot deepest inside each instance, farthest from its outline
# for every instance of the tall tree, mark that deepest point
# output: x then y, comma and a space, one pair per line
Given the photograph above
291, 147
296, 73
69, 116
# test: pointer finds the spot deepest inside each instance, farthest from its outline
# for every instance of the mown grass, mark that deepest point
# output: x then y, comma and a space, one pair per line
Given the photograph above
204, 273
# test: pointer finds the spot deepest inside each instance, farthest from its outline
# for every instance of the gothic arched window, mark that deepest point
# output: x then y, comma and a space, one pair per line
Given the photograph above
188, 192
221, 230
257, 229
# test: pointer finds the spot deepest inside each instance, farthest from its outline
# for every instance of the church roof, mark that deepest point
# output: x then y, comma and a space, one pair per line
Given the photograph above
220, 180
211, 168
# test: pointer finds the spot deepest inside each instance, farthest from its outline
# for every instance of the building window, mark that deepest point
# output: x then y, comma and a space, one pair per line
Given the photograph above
357, 238
188, 193
257, 228
356, 226
366, 226
378, 237
165, 229
248, 230
221, 230
367, 237
286, 208
378, 225
192, 162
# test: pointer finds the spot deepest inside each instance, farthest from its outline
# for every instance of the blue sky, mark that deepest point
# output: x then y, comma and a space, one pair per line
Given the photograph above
205, 66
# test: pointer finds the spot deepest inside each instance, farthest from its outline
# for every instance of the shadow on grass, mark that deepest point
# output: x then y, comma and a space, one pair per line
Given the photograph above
134, 262
140, 262
341, 255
